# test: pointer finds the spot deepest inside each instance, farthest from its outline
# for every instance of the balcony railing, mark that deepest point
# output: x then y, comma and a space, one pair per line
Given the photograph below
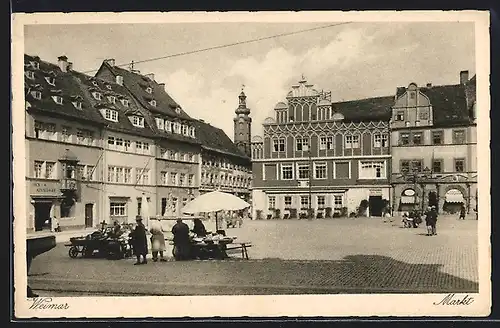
68, 184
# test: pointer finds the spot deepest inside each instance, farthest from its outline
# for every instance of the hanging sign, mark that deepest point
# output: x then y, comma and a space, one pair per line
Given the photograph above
409, 192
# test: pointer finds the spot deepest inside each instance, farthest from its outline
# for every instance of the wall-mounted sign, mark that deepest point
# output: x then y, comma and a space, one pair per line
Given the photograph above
409, 192
45, 188
375, 192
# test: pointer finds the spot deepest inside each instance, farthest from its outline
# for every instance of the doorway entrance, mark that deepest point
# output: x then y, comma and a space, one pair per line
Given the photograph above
376, 205
42, 214
89, 215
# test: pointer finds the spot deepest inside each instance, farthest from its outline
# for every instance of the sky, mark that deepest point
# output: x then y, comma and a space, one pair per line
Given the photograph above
353, 61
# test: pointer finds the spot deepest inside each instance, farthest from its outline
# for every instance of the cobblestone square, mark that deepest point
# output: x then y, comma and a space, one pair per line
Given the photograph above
289, 257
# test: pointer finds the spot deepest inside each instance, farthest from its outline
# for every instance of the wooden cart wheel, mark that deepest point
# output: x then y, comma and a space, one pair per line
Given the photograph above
73, 252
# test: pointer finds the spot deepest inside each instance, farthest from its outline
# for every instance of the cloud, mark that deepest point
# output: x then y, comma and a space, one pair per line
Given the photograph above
267, 80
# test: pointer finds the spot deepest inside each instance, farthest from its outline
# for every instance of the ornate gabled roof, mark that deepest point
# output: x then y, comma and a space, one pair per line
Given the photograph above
281, 105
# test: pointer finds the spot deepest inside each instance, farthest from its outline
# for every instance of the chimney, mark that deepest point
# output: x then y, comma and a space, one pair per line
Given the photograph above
151, 76
429, 85
110, 62
62, 61
162, 85
464, 77
119, 79
70, 66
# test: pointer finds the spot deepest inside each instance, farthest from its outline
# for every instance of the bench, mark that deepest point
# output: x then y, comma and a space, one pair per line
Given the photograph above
239, 245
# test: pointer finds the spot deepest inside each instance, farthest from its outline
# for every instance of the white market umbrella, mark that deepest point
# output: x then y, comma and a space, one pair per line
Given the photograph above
145, 210
214, 201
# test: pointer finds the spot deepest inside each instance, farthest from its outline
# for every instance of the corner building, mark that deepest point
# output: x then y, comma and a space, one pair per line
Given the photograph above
331, 157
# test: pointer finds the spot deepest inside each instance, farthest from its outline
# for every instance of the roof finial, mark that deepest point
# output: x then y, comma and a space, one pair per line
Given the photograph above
242, 88
131, 65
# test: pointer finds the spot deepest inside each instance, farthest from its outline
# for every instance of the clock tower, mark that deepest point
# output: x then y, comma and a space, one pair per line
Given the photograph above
243, 125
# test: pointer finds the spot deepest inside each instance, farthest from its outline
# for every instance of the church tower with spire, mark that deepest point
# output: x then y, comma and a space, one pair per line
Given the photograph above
243, 125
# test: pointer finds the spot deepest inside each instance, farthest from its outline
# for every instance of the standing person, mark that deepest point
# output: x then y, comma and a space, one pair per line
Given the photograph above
181, 240
140, 242
199, 228
157, 239
462, 212
428, 221
433, 220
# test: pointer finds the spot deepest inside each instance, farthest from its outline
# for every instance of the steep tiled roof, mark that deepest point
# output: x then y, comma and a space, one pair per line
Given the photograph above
470, 91
449, 104
213, 138
137, 85
369, 109
91, 84
65, 86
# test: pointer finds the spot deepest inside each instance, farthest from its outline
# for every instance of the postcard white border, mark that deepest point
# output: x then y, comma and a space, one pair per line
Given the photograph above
255, 306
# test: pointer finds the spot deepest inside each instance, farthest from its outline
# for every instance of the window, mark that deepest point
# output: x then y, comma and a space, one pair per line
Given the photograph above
303, 171
326, 143
437, 137
119, 143
372, 170
404, 138
97, 95
127, 145
35, 64
184, 129
50, 80
111, 115
177, 127
36, 94
320, 171
117, 209
417, 138
182, 179
272, 202
160, 123
163, 178
77, 104
193, 158
459, 136
58, 99
30, 74
337, 201
174, 205
111, 173
191, 180
460, 165
49, 169
437, 166
400, 116
119, 174
127, 175
279, 145
137, 121
191, 132
108, 86
304, 202
173, 178
112, 99
125, 102
168, 126
380, 140
351, 141
320, 200
145, 147
301, 144
153, 103
286, 172
138, 146
90, 172
65, 134
405, 166
288, 201
411, 166
423, 115
149, 90
145, 176
38, 169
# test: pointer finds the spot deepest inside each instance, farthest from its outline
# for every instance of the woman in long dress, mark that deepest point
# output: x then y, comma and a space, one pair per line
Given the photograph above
157, 239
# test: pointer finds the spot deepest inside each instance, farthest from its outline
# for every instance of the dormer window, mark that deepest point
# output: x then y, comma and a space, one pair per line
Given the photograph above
50, 80
30, 75
149, 90
185, 130
95, 83
110, 114
77, 104
177, 127
35, 64
160, 123
36, 94
191, 132
168, 126
152, 102
178, 110
58, 99
125, 102
97, 95
137, 121
108, 86
112, 99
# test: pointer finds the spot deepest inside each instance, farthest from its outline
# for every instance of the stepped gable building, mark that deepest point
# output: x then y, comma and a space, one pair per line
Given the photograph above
63, 147
225, 167
327, 158
434, 140
177, 151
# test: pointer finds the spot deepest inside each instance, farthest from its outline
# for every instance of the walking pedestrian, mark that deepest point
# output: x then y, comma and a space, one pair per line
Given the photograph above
428, 221
157, 239
462, 212
433, 220
181, 240
139, 242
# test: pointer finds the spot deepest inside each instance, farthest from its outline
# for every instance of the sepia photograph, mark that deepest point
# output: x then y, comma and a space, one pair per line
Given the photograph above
230, 164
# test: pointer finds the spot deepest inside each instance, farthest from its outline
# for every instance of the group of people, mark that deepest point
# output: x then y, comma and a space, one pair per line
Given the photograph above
181, 239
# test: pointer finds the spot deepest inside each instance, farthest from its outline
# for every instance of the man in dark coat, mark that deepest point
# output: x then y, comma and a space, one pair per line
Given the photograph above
433, 220
181, 240
140, 242
462, 213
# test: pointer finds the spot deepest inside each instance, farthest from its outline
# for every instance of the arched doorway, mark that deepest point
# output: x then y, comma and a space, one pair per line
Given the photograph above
408, 200
454, 200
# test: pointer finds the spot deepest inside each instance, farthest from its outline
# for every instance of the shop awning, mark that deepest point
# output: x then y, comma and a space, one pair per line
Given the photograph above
407, 199
454, 198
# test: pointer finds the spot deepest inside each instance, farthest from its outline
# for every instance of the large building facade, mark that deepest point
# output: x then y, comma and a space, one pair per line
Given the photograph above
433, 136
323, 157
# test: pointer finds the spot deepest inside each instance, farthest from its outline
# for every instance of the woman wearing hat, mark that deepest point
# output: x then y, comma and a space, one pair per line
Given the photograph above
157, 239
140, 242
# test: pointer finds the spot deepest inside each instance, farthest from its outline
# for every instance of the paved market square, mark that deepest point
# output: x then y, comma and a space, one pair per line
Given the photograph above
362, 255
